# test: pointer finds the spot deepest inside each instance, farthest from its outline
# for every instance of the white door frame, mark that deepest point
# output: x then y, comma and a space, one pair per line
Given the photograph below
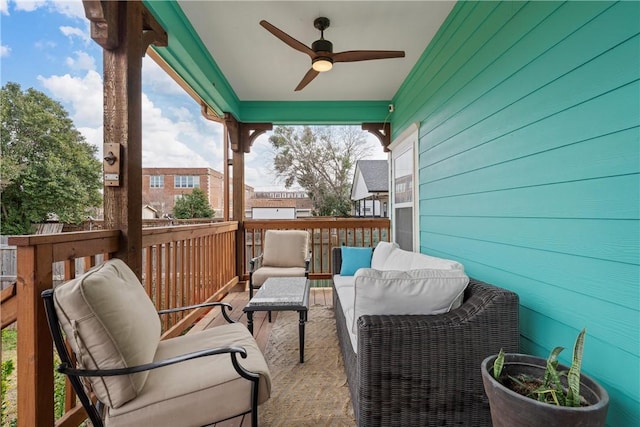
406, 141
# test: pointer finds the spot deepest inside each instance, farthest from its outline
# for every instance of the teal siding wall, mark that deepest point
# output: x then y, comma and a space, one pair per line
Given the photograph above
529, 173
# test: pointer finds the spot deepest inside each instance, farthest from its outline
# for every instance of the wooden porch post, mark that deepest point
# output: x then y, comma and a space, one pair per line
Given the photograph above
124, 29
35, 347
241, 137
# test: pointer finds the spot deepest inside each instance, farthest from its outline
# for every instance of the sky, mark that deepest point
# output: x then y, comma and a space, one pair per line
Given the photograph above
46, 45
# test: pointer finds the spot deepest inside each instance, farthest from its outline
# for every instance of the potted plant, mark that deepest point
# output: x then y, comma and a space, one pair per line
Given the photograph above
530, 391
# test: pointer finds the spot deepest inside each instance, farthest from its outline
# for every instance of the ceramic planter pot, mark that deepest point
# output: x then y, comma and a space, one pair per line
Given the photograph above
510, 409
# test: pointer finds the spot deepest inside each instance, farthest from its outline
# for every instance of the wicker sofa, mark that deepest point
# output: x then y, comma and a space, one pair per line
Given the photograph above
424, 370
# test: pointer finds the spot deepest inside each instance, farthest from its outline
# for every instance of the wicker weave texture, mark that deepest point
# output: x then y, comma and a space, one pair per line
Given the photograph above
425, 370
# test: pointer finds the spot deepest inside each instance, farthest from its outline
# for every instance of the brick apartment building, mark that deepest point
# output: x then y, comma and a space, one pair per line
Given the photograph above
162, 186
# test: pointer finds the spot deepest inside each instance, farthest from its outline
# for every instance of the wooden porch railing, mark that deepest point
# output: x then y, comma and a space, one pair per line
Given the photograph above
325, 233
182, 265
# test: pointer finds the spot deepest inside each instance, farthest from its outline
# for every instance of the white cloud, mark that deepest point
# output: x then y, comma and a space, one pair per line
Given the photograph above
83, 94
165, 142
156, 79
72, 9
45, 44
4, 51
258, 164
82, 61
4, 7
94, 136
29, 5
71, 32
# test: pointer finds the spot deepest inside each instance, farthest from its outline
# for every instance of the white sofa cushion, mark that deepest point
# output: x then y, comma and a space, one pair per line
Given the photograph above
426, 291
389, 256
381, 253
110, 323
399, 259
346, 296
342, 281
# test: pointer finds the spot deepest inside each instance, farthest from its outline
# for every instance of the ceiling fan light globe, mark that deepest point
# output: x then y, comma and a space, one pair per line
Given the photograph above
322, 64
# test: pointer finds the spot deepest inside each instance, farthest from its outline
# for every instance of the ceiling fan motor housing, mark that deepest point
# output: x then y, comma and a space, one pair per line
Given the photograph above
322, 45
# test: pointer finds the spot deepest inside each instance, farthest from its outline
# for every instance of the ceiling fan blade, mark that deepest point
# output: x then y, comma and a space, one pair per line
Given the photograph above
311, 74
297, 45
366, 55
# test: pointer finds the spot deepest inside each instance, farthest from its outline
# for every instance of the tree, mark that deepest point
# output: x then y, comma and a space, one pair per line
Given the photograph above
193, 205
321, 160
48, 168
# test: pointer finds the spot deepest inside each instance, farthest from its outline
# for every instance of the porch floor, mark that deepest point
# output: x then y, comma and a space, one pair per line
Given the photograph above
261, 328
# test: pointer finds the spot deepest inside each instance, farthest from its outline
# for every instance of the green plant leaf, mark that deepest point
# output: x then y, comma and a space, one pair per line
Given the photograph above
573, 377
551, 379
498, 364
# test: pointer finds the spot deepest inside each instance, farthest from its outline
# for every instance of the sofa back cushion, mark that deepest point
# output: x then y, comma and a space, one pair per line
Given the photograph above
426, 291
110, 322
399, 259
381, 253
285, 248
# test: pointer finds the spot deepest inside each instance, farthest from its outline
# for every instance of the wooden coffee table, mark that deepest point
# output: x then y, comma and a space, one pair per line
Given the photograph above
282, 294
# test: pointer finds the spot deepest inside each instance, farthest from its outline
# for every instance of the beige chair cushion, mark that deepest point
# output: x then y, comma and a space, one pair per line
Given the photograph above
200, 391
263, 273
110, 323
285, 248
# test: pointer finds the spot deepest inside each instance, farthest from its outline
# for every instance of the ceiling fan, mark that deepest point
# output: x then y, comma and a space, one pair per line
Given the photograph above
321, 51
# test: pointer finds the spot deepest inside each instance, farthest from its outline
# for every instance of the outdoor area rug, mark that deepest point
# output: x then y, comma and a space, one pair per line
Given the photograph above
313, 393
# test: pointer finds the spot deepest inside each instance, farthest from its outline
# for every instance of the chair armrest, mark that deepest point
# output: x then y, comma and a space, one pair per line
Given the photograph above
223, 305
255, 263
307, 265
64, 368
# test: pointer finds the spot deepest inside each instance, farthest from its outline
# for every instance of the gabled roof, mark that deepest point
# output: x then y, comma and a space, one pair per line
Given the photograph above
371, 176
375, 174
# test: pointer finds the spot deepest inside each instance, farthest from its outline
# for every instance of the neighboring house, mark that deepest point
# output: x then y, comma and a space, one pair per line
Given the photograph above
278, 205
149, 212
370, 188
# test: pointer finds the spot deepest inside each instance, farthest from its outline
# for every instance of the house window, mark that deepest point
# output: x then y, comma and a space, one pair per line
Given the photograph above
156, 181
186, 181
404, 209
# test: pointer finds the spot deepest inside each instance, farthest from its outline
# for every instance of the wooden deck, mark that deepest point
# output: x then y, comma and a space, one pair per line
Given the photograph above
261, 328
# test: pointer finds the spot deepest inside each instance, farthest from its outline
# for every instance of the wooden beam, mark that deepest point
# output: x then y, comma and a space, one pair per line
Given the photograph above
103, 16
249, 132
243, 135
123, 125
238, 208
105, 25
241, 138
227, 181
382, 131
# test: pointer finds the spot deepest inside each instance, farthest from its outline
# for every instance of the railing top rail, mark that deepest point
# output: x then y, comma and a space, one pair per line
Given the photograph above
324, 222
172, 229
158, 235
44, 239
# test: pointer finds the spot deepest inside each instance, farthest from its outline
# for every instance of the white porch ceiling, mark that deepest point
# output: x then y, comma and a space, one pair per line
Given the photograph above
260, 67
